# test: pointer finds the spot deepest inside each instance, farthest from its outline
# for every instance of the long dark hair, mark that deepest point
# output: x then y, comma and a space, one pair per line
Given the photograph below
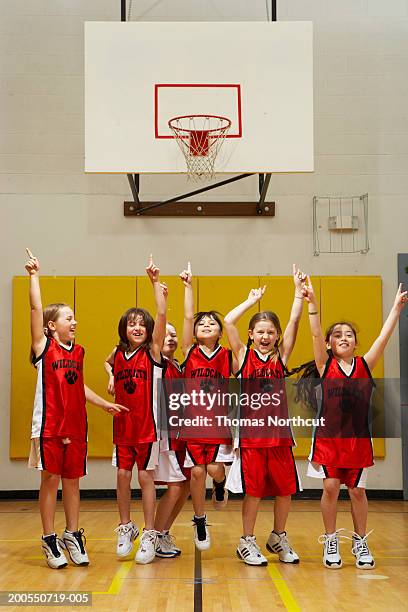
130, 315
305, 387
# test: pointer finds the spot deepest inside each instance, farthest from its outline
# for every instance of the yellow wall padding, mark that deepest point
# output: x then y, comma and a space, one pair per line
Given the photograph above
23, 374
100, 301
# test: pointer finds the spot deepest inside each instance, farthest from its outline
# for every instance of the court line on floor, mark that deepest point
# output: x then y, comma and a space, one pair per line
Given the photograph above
198, 582
281, 586
117, 580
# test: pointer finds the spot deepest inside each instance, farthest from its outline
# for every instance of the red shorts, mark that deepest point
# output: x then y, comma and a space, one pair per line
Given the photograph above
202, 454
125, 457
348, 476
55, 457
268, 471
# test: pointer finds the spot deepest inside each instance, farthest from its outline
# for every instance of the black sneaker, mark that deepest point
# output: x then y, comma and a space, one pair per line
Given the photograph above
219, 495
201, 534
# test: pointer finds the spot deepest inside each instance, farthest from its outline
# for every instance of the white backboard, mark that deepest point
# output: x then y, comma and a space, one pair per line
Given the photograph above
140, 74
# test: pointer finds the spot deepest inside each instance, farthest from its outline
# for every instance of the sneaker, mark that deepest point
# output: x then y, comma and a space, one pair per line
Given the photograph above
147, 547
219, 495
74, 544
249, 551
364, 559
127, 534
166, 549
279, 544
51, 547
202, 538
331, 550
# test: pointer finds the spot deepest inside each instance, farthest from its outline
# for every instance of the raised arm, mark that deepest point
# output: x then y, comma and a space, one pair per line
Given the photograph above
38, 338
377, 349
108, 365
188, 323
319, 344
160, 296
290, 333
232, 318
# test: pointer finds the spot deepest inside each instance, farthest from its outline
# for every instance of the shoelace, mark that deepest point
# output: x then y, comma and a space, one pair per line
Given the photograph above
168, 540
149, 536
80, 538
52, 543
252, 545
122, 530
284, 542
332, 541
360, 544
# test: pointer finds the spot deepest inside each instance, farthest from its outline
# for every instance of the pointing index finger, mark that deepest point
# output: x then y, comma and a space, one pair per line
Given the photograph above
29, 253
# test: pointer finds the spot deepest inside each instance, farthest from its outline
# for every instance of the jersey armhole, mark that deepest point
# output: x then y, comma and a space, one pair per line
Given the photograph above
35, 360
239, 372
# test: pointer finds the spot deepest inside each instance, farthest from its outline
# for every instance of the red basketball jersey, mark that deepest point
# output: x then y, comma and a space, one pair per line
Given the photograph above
263, 376
343, 441
171, 372
199, 370
59, 404
136, 387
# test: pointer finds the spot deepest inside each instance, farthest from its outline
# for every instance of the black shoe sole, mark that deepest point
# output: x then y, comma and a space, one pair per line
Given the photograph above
269, 549
263, 564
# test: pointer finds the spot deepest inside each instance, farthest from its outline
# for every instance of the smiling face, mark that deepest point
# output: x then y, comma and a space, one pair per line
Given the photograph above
265, 336
136, 332
64, 325
170, 341
207, 330
342, 341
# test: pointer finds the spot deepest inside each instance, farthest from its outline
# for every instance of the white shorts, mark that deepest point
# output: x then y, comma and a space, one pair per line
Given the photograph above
168, 469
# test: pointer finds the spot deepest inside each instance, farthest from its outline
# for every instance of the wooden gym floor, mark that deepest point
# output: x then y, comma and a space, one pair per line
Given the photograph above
218, 581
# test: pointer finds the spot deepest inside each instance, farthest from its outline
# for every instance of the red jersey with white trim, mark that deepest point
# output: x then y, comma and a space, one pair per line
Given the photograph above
263, 391
199, 370
136, 377
172, 371
59, 404
344, 441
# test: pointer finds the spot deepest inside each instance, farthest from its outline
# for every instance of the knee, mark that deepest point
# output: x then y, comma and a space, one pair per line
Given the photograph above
124, 476
145, 479
198, 472
357, 494
331, 488
50, 480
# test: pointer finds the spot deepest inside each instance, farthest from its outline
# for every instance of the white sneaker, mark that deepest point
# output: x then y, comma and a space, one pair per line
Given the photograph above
219, 494
51, 547
364, 558
147, 547
279, 544
74, 544
249, 551
166, 549
202, 538
331, 550
127, 534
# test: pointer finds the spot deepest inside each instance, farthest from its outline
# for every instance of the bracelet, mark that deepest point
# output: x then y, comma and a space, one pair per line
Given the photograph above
314, 312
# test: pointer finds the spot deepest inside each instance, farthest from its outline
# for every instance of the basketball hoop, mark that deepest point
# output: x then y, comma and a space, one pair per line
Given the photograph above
200, 139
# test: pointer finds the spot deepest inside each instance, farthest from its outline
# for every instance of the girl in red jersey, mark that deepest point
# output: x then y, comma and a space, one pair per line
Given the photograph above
134, 368
265, 464
59, 425
170, 470
206, 362
341, 448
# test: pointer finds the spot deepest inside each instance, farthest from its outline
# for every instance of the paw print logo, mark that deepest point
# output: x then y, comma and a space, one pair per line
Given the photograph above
206, 385
130, 386
266, 385
71, 377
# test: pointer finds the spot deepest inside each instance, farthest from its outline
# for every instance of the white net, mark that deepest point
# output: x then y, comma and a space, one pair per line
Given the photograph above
200, 138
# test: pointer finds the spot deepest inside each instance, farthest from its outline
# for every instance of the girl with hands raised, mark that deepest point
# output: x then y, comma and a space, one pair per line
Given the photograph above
341, 448
134, 368
265, 464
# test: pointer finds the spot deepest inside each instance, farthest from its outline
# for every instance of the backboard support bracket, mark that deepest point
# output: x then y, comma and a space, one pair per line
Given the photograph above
176, 207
